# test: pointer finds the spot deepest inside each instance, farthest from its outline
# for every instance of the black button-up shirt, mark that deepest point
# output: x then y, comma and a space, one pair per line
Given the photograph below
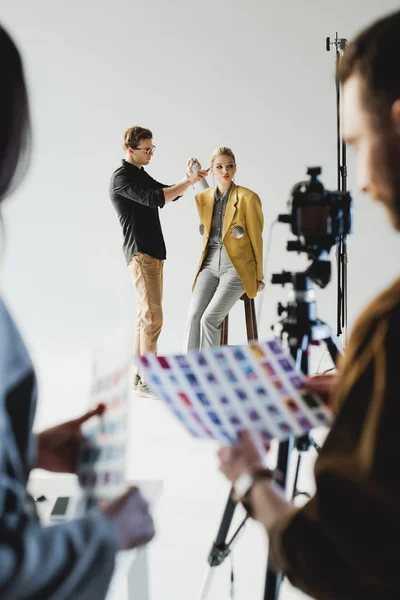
136, 197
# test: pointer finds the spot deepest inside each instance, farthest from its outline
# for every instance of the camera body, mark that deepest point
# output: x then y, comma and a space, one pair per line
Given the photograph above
319, 216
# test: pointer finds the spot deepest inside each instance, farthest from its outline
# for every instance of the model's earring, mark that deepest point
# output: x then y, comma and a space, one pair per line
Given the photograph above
213, 179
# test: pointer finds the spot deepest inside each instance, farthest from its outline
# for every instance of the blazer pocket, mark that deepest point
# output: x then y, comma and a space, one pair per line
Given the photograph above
238, 229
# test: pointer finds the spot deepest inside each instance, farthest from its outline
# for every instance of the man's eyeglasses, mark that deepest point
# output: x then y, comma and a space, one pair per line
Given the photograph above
148, 151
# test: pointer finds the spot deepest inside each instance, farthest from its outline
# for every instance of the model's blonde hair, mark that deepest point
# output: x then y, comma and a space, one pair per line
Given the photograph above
221, 151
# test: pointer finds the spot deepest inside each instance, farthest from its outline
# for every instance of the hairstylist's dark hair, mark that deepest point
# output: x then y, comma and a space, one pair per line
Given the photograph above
14, 116
134, 135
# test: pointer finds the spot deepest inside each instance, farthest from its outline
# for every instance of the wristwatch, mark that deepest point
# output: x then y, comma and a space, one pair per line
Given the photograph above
244, 483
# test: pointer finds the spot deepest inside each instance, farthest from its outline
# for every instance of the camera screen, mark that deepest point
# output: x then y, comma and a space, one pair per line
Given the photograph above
313, 220
60, 506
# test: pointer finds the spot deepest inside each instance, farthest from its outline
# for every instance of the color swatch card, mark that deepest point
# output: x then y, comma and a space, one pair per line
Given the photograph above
220, 391
104, 453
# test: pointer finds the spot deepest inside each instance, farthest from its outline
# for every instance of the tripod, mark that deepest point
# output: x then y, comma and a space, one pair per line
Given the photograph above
300, 328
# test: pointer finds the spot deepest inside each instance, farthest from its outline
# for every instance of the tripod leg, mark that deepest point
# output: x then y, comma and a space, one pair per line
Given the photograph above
296, 477
282, 462
272, 585
334, 347
273, 579
339, 287
205, 589
344, 292
220, 548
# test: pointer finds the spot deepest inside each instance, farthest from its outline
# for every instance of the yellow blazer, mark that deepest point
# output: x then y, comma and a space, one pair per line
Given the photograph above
246, 253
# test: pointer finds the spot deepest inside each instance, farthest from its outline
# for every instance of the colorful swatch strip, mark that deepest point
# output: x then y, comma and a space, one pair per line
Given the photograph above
220, 391
104, 451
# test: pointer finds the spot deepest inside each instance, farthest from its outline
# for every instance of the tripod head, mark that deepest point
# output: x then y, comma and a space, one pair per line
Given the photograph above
319, 271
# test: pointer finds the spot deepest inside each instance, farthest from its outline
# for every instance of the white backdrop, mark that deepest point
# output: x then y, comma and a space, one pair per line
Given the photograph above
251, 75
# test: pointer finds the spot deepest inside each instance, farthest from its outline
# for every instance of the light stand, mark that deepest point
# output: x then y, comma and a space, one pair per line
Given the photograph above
341, 248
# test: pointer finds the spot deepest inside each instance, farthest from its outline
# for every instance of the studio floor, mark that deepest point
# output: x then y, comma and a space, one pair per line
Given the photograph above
190, 509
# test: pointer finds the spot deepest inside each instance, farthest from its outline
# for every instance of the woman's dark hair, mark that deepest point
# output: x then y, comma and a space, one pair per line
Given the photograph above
14, 116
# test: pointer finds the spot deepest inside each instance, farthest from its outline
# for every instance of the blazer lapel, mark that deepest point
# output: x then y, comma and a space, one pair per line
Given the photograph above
208, 208
230, 209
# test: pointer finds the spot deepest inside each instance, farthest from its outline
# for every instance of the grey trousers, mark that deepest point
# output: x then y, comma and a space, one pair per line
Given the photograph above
217, 289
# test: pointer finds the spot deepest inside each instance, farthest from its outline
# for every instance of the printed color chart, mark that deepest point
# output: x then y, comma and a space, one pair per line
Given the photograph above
220, 391
103, 458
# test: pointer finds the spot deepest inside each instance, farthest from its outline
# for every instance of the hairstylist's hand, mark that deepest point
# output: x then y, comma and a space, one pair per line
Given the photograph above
260, 286
189, 164
323, 386
247, 455
130, 519
59, 447
194, 177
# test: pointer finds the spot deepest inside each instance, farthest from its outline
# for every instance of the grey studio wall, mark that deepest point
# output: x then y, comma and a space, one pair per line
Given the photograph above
252, 75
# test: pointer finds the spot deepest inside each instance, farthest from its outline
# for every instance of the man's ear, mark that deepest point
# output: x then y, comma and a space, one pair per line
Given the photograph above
396, 115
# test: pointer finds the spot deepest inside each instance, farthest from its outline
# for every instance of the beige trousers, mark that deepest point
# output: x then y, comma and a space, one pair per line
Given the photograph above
147, 274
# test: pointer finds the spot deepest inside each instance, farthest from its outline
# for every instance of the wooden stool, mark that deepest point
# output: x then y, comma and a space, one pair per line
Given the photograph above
251, 321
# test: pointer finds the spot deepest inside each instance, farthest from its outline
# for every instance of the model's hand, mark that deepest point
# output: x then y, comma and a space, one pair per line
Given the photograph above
246, 456
130, 519
323, 386
260, 286
59, 447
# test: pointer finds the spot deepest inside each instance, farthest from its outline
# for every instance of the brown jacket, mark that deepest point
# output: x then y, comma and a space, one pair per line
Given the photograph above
345, 543
246, 253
